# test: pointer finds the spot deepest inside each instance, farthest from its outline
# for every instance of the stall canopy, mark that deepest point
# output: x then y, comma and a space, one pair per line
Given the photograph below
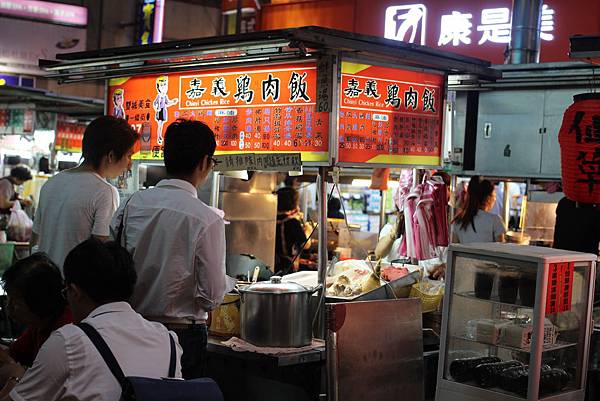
45, 101
335, 97
261, 47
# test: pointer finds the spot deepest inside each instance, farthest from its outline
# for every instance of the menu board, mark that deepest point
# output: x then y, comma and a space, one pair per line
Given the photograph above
390, 116
261, 109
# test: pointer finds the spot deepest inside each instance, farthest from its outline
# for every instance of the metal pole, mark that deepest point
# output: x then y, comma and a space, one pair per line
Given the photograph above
322, 209
506, 204
214, 189
321, 330
382, 209
238, 18
525, 31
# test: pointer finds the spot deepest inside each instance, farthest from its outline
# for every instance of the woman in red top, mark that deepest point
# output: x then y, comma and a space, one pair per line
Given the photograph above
33, 286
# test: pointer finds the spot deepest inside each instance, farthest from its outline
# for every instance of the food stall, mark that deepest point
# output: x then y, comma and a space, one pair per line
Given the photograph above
308, 97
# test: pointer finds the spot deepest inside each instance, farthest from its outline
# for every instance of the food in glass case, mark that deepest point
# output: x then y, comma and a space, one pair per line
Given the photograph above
488, 331
484, 282
519, 335
511, 376
488, 374
463, 370
515, 380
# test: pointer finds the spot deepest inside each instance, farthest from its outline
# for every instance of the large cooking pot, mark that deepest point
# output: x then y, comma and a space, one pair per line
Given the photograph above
276, 314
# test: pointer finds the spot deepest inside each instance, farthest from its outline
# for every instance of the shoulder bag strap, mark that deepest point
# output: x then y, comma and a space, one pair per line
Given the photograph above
173, 361
122, 223
104, 351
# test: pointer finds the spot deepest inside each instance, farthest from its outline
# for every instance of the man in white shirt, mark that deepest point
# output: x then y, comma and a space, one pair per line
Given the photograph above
178, 243
99, 278
79, 203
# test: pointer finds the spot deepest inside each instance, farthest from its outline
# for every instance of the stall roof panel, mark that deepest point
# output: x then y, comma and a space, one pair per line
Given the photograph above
52, 102
586, 48
257, 47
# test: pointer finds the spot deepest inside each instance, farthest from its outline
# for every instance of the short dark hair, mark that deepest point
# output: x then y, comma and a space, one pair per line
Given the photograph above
21, 173
103, 270
187, 143
39, 282
106, 134
287, 199
334, 204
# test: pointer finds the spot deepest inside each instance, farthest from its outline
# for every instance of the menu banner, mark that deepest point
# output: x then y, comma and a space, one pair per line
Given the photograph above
390, 116
261, 109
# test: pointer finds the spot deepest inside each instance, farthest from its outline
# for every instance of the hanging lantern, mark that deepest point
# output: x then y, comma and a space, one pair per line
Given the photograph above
579, 139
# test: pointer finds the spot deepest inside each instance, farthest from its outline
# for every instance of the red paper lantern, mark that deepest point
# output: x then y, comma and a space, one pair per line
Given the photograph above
579, 139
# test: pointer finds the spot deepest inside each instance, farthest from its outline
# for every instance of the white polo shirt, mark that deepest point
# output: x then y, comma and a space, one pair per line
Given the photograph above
73, 206
69, 367
178, 245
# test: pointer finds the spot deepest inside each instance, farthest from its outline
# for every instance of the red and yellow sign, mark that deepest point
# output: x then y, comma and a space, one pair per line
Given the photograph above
390, 116
69, 136
263, 109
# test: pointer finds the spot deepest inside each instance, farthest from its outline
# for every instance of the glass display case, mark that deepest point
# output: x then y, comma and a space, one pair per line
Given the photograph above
516, 324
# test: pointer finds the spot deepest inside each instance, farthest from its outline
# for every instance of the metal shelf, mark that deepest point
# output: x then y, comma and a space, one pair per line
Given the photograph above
471, 295
547, 348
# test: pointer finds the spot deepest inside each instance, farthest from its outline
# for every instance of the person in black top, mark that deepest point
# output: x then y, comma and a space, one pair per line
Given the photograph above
289, 235
577, 226
334, 206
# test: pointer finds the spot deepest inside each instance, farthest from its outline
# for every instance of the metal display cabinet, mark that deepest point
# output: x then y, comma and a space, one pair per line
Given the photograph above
526, 307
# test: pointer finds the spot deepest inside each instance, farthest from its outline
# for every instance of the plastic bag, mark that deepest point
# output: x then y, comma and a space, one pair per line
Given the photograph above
430, 287
19, 225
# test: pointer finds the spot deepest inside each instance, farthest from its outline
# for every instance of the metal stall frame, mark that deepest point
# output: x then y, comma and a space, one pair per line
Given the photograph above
328, 47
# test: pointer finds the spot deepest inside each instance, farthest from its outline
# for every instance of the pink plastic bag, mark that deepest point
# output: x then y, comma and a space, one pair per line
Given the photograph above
19, 225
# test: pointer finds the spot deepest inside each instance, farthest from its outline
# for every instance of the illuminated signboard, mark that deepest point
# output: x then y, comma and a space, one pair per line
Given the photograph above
408, 23
149, 21
390, 116
264, 109
56, 13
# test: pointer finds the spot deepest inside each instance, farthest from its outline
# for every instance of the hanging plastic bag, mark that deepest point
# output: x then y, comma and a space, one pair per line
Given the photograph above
19, 225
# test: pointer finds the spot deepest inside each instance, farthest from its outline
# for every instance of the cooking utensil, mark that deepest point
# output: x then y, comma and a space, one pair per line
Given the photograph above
241, 266
255, 274
276, 313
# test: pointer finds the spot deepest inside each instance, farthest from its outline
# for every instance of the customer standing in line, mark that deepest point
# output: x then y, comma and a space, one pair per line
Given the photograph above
79, 203
475, 223
178, 244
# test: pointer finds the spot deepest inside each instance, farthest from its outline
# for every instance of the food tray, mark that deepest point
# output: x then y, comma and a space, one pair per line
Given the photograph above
401, 289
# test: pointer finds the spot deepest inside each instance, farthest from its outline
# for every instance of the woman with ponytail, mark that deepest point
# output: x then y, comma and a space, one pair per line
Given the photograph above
475, 223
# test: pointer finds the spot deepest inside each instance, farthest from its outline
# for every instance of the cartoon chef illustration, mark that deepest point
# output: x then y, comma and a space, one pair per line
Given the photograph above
161, 103
118, 99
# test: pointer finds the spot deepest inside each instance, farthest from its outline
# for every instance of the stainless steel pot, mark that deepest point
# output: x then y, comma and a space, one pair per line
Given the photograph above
276, 314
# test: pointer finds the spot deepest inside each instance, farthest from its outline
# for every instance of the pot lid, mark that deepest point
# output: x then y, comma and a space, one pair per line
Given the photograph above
275, 286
